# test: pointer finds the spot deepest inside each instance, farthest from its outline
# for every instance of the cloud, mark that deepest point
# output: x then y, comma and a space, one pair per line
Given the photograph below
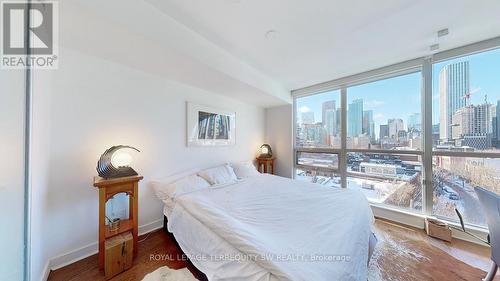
374, 103
304, 109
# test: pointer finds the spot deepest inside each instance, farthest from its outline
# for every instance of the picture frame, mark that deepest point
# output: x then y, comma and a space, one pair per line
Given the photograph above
210, 126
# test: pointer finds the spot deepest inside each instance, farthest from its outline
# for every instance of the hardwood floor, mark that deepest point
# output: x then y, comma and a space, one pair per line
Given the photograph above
156, 249
427, 258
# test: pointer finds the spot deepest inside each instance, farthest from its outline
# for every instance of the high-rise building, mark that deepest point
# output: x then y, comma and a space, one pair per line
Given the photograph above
325, 107
472, 120
329, 117
395, 125
415, 122
497, 124
308, 117
368, 124
355, 118
337, 120
314, 134
330, 123
472, 126
453, 86
384, 131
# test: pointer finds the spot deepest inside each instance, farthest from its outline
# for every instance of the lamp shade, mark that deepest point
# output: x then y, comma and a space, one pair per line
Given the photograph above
266, 151
115, 163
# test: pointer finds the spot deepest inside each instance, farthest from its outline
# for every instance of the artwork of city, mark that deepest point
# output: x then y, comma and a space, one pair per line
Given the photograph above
208, 126
387, 115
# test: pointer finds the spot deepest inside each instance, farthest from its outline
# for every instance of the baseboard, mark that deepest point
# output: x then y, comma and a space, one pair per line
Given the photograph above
89, 250
46, 272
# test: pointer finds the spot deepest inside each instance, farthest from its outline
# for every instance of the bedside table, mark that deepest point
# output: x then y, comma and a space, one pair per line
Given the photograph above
265, 165
107, 189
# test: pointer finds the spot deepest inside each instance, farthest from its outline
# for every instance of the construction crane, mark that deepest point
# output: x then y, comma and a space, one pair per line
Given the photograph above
468, 95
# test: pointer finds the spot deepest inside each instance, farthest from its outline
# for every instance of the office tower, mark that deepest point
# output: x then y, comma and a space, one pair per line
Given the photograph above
314, 134
472, 126
337, 121
384, 131
330, 122
355, 118
395, 125
308, 117
497, 111
328, 115
325, 107
495, 131
415, 122
368, 124
453, 87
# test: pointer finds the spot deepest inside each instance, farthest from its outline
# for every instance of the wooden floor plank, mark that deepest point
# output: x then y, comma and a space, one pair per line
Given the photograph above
467, 259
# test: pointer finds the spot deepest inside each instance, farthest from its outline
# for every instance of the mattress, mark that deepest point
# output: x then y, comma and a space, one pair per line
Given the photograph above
273, 228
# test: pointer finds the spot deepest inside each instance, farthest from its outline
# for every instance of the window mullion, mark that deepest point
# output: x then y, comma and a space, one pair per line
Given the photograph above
343, 137
427, 192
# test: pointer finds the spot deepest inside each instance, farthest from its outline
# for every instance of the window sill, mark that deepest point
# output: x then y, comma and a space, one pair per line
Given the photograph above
418, 221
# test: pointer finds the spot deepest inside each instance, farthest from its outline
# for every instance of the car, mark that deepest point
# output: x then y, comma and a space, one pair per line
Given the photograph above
454, 196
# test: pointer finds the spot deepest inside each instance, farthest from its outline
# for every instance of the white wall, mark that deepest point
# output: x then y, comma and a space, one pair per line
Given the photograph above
95, 104
115, 87
279, 128
11, 174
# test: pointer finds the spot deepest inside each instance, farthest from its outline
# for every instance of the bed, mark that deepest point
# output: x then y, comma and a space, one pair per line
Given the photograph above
273, 228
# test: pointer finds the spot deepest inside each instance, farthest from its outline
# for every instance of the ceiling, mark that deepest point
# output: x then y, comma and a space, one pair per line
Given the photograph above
320, 40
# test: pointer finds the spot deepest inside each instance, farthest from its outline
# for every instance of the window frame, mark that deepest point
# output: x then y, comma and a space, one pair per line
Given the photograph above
427, 152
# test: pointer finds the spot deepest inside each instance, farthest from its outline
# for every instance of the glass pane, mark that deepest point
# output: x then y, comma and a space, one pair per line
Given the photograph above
117, 208
385, 114
466, 94
318, 120
329, 179
454, 179
390, 179
317, 159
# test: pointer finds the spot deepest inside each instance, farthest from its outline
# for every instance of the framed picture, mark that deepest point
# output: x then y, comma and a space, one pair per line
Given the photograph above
208, 126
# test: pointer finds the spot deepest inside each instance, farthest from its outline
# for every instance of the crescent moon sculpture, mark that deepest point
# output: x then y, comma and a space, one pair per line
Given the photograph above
106, 170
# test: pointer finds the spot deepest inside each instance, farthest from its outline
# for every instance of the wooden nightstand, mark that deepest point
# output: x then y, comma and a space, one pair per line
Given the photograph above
107, 189
265, 165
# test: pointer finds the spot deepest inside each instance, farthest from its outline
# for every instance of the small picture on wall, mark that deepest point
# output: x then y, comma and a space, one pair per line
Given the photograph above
208, 126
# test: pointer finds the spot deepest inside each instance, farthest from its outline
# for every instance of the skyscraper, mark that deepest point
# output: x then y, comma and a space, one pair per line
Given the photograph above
355, 118
415, 122
472, 126
395, 125
453, 86
337, 120
384, 131
329, 117
325, 107
497, 114
330, 122
368, 124
308, 117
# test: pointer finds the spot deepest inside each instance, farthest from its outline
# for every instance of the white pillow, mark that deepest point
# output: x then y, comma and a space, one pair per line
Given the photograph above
219, 175
190, 183
245, 170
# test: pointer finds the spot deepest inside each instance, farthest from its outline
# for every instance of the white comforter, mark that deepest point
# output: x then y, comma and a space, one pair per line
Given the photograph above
284, 229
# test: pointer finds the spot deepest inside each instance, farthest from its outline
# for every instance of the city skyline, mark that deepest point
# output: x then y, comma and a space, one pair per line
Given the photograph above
383, 97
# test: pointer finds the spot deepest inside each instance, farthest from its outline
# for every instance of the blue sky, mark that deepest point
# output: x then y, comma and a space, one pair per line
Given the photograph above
399, 97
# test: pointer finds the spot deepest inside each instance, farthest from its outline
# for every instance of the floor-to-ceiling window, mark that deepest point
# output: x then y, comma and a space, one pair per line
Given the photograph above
416, 136
384, 140
318, 138
466, 146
